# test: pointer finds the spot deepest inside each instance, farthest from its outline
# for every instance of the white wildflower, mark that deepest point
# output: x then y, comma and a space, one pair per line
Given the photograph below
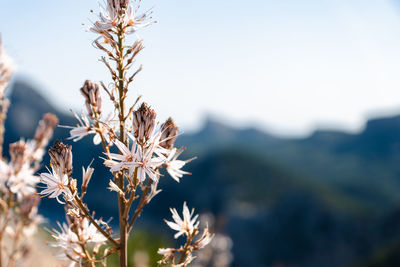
82, 129
56, 185
205, 239
185, 226
70, 240
115, 188
147, 163
125, 160
86, 176
23, 182
166, 252
174, 165
120, 12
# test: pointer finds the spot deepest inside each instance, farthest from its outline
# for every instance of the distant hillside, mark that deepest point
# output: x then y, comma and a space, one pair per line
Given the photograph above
285, 202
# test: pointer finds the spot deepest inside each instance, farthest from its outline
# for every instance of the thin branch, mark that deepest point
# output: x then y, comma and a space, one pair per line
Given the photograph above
139, 209
93, 221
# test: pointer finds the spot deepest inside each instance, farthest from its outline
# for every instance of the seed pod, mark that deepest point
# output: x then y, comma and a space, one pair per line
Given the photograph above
61, 157
19, 154
169, 132
143, 122
91, 93
45, 129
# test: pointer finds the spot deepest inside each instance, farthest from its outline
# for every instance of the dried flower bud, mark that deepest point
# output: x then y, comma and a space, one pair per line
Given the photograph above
118, 5
169, 132
91, 93
144, 121
29, 205
61, 157
45, 129
124, 4
19, 154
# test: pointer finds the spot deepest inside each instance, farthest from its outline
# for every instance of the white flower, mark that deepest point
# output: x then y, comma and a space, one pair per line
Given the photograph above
23, 182
167, 252
115, 15
70, 241
187, 225
86, 175
67, 240
125, 160
56, 185
89, 234
174, 165
205, 239
82, 129
115, 188
147, 163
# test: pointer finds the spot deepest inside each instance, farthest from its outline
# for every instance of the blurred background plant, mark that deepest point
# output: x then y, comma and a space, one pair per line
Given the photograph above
327, 196
19, 201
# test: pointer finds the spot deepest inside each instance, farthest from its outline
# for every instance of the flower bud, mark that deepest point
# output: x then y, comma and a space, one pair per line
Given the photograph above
19, 154
86, 176
45, 129
124, 4
91, 93
144, 121
118, 4
29, 205
169, 132
61, 157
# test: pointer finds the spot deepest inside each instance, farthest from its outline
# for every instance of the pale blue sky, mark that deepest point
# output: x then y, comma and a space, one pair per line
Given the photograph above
288, 66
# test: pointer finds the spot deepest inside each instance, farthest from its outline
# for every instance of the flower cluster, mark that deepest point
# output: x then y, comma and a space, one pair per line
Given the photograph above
187, 226
148, 152
122, 14
18, 197
73, 237
137, 151
18, 175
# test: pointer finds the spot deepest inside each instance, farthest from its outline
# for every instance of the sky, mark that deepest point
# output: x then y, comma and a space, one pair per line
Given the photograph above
286, 66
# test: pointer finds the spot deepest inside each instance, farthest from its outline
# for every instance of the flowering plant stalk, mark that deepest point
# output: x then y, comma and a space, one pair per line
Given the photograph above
18, 199
136, 149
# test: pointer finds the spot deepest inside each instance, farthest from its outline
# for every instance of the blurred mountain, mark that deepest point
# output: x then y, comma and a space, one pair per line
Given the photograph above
330, 199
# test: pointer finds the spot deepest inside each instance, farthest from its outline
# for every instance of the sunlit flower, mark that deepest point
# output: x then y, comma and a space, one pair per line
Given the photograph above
185, 226
205, 239
70, 237
121, 13
113, 187
56, 185
174, 165
68, 241
147, 163
86, 176
82, 129
125, 160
